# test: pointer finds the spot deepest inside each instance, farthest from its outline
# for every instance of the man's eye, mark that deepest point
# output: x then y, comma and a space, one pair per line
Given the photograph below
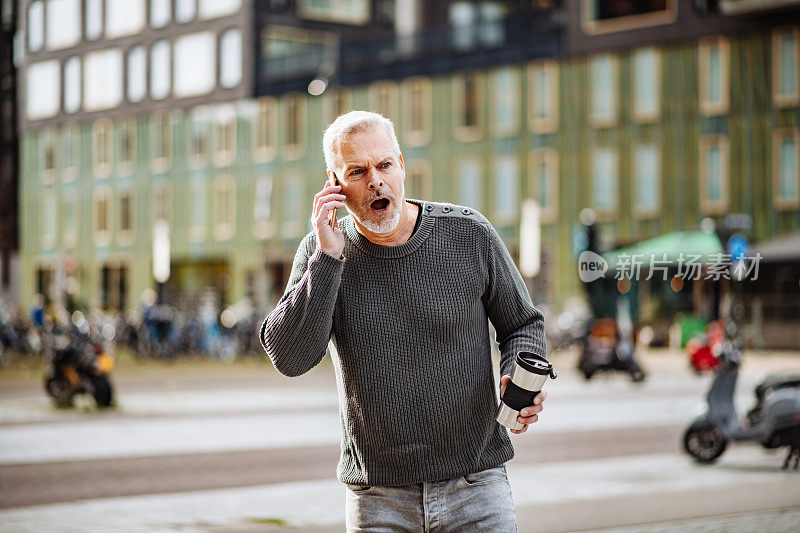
387, 164
356, 171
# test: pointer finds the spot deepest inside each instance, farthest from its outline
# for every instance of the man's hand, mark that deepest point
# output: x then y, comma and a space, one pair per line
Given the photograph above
329, 239
528, 415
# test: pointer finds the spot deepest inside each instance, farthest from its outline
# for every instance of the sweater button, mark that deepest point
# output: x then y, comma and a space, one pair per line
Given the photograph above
466, 211
429, 208
446, 209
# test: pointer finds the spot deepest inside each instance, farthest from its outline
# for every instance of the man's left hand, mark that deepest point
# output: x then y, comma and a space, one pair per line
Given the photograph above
528, 415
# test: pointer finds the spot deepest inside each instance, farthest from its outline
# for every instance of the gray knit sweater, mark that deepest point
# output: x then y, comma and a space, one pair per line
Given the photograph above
412, 352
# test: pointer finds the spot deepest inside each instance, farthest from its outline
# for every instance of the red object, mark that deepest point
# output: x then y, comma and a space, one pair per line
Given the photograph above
701, 349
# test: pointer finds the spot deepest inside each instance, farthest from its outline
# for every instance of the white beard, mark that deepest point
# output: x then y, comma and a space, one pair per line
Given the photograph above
384, 226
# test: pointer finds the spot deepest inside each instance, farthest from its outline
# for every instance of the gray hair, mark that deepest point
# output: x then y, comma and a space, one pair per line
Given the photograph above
352, 122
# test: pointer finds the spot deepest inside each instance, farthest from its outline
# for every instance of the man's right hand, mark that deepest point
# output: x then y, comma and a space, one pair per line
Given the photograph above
330, 240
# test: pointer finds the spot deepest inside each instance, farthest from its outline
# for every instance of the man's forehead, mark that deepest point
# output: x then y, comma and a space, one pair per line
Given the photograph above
363, 145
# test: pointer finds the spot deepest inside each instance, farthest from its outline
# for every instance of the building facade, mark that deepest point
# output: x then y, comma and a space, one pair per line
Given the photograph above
656, 114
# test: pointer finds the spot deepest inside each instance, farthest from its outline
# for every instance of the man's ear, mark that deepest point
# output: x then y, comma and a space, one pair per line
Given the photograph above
402, 165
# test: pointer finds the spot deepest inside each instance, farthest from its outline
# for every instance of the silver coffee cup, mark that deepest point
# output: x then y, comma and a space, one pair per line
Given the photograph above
527, 379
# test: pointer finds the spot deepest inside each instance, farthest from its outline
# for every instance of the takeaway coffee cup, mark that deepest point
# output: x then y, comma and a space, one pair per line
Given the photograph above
527, 379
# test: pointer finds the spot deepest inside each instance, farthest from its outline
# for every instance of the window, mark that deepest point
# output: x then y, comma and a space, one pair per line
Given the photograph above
102, 216
70, 227
160, 75
198, 136
713, 174
646, 179
262, 208
160, 14
786, 165
124, 17
102, 79
218, 8
714, 68
604, 180
601, 16
126, 217
102, 147
293, 206
341, 11
162, 202
646, 84
335, 102
71, 151
35, 26
185, 10
195, 64
225, 135
506, 189
49, 219
288, 50
543, 182
42, 94
137, 74
468, 106
784, 67
266, 129
294, 126
126, 137
48, 154
417, 111
505, 101
603, 90
224, 201
543, 96
198, 203
382, 96
63, 23
470, 188
230, 53
72, 84
161, 132
419, 182
94, 19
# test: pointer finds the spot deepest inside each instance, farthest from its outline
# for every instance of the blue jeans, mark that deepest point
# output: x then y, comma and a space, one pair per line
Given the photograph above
476, 502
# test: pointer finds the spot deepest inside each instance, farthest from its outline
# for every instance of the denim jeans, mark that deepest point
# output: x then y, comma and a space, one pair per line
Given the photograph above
476, 502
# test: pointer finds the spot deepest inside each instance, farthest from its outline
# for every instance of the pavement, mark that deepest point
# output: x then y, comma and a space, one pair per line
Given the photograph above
207, 447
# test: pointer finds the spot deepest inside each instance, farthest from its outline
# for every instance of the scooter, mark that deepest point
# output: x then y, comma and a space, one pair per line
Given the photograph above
608, 345
774, 421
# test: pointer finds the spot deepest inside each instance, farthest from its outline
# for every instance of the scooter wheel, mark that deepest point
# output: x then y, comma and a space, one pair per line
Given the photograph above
637, 374
102, 391
704, 442
60, 391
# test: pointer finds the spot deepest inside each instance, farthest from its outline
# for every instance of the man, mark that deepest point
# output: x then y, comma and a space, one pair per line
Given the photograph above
403, 289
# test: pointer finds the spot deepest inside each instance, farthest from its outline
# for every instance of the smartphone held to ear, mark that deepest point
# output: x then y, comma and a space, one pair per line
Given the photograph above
333, 181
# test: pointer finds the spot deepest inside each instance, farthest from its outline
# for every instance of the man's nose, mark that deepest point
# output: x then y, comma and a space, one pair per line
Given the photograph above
375, 181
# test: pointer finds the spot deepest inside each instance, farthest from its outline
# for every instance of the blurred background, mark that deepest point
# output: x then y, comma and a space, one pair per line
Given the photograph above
158, 164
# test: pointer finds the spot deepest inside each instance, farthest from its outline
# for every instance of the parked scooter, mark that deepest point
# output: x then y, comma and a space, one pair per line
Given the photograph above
608, 345
774, 421
78, 365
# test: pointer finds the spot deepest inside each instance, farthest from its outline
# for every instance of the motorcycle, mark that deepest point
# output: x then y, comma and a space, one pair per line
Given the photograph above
608, 345
701, 348
78, 365
774, 420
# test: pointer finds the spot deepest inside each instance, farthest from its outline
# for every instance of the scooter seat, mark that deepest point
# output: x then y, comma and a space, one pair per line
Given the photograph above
776, 381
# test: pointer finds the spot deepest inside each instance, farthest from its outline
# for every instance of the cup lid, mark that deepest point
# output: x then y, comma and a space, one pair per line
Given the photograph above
535, 363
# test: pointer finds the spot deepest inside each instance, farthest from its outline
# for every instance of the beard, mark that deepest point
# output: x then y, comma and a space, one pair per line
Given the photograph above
388, 220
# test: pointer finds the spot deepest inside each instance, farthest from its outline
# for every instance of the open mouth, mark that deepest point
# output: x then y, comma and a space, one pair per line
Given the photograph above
379, 205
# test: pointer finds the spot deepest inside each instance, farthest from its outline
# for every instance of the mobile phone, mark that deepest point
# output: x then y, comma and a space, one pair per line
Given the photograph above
333, 181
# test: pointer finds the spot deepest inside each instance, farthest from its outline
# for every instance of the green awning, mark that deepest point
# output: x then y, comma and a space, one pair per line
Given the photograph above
688, 243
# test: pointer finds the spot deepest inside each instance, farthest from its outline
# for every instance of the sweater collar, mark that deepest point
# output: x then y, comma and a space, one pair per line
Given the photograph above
391, 252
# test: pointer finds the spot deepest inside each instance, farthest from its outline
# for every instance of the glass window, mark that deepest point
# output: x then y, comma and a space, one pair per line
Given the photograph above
160, 75
230, 51
293, 121
124, 17
225, 135
126, 137
185, 10
342, 11
137, 74
543, 91
35, 26
72, 84
162, 202
462, 17
218, 8
195, 64
126, 211
102, 79
102, 209
289, 50
646, 177
470, 191
263, 201
161, 136
505, 104
646, 79
603, 89
70, 218
417, 108
102, 146
604, 179
544, 180
785, 61
49, 218
788, 169
224, 201
94, 19
714, 174
713, 66
160, 13
468, 105
266, 127
418, 180
63, 23
198, 135
42, 89
199, 210
336, 102
71, 154
383, 99
506, 189
48, 153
